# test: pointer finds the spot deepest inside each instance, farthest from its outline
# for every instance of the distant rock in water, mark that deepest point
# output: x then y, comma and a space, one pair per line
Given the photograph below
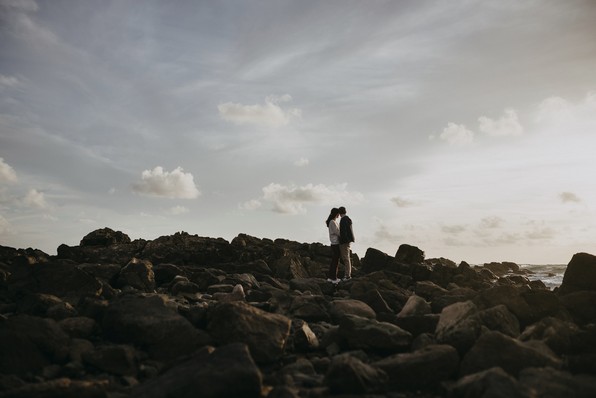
184, 315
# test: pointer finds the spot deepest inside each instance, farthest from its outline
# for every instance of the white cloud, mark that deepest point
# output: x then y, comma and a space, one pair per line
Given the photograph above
250, 205
271, 114
302, 162
176, 184
177, 210
34, 198
7, 173
457, 134
506, 125
567, 197
556, 111
292, 199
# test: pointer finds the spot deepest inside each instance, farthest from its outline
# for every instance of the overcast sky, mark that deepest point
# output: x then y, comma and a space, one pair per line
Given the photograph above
466, 128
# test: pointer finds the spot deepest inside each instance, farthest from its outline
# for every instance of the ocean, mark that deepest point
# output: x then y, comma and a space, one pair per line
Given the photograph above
550, 274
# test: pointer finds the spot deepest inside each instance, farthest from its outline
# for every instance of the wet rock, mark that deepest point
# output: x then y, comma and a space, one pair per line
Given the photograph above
228, 371
265, 334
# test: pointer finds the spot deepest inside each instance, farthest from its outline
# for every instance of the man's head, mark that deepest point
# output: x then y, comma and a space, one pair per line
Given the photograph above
342, 211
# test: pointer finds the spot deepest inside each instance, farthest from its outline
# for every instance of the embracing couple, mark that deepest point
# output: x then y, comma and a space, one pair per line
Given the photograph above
341, 236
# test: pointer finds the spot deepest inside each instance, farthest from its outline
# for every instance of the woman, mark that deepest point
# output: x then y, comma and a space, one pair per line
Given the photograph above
333, 226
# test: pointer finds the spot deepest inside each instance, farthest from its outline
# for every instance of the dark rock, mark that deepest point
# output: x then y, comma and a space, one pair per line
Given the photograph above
557, 334
581, 305
81, 327
503, 268
150, 323
165, 273
60, 388
116, 359
409, 254
415, 305
496, 349
339, 308
183, 249
311, 285
303, 337
580, 274
228, 371
424, 368
371, 335
349, 375
29, 343
289, 267
458, 326
548, 382
309, 308
104, 237
417, 324
265, 334
490, 383
138, 274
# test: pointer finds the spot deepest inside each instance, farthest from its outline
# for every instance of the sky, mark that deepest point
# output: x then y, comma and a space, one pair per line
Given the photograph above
465, 128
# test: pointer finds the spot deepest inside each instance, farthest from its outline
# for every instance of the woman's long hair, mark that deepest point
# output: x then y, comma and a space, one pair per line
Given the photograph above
334, 213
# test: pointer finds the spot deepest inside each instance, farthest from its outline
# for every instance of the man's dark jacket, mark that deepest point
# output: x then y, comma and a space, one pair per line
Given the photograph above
346, 234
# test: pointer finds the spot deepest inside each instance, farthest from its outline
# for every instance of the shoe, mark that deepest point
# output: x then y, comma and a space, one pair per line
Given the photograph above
346, 279
334, 281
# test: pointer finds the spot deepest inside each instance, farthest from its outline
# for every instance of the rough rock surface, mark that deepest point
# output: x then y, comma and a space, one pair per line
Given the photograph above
186, 316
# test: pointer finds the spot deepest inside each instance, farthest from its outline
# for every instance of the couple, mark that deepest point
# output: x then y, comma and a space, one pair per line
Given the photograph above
341, 236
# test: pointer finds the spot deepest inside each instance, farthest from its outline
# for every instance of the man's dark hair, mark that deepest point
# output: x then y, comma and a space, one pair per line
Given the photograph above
342, 210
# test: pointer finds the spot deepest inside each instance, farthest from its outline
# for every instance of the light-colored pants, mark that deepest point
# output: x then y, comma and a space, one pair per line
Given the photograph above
344, 250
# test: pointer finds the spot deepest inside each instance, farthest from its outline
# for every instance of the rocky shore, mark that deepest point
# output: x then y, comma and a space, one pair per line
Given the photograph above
189, 316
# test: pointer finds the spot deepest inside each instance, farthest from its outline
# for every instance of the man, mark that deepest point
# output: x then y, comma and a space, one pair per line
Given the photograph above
346, 237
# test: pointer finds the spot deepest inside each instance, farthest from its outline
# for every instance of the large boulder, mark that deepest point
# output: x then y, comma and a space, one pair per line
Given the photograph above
264, 333
30, 343
185, 249
371, 335
497, 349
149, 322
104, 237
227, 371
580, 305
61, 279
549, 382
423, 368
489, 383
349, 375
409, 254
339, 308
580, 274
137, 274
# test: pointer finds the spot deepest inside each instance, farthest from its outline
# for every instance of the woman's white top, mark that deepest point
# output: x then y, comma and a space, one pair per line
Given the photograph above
334, 232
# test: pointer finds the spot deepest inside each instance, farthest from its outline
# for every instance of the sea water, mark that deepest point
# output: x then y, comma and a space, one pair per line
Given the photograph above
550, 274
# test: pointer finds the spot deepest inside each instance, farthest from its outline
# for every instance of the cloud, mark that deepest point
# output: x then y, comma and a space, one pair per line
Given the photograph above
382, 234
8, 81
543, 233
271, 114
567, 197
401, 202
491, 222
177, 210
506, 125
4, 225
34, 198
291, 199
251, 205
21, 5
7, 173
176, 184
302, 162
453, 229
457, 134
